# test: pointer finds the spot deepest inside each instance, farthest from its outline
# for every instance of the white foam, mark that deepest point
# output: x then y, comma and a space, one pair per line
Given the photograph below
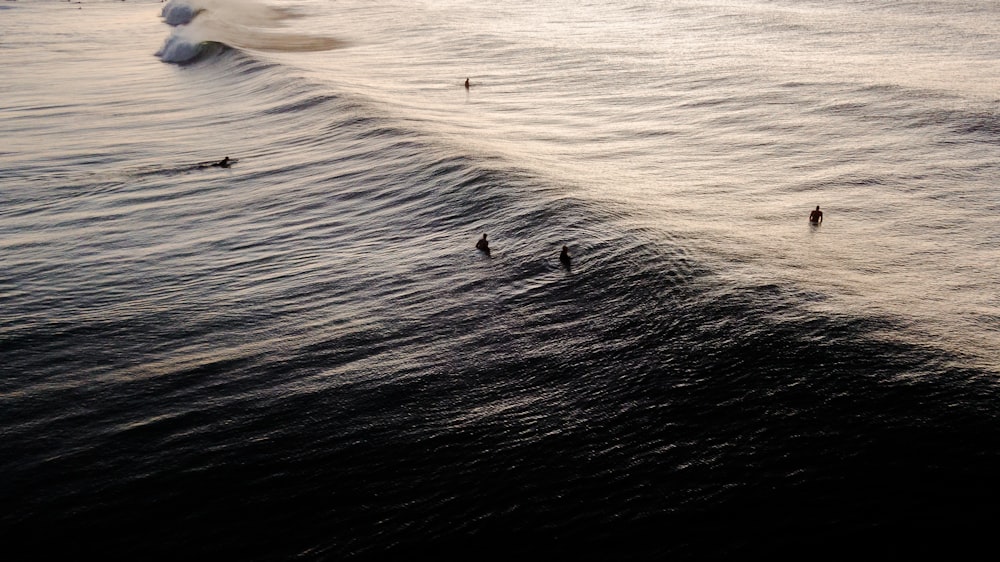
179, 12
242, 12
244, 24
180, 47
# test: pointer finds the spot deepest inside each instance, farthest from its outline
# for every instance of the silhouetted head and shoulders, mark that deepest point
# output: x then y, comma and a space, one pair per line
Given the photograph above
466, 83
483, 245
564, 256
816, 216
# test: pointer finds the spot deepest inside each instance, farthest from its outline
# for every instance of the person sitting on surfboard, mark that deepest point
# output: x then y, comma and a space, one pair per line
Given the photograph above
564, 256
816, 217
483, 245
466, 83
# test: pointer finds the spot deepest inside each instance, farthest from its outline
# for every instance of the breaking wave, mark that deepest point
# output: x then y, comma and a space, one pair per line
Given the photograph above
207, 27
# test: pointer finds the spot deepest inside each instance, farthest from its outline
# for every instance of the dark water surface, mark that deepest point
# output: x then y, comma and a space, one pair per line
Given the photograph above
303, 355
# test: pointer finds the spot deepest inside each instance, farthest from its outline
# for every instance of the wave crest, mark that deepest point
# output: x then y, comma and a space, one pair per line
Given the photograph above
180, 49
179, 13
200, 24
243, 12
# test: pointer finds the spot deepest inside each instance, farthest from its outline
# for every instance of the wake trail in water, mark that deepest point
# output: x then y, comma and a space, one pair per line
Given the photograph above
205, 27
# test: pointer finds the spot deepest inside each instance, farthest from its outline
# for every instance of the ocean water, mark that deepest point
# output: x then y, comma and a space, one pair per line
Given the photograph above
303, 356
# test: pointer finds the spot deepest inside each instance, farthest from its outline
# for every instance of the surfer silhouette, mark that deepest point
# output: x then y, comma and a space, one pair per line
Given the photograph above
483, 245
466, 83
564, 257
224, 163
816, 217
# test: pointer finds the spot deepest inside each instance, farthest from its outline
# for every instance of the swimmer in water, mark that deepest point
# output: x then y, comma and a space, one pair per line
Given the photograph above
483, 245
816, 217
466, 83
564, 256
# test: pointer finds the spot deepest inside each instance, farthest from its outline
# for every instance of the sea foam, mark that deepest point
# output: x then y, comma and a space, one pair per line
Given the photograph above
179, 13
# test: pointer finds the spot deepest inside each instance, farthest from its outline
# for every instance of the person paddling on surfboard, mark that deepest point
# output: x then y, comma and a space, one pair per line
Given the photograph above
483, 245
224, 163
816, 217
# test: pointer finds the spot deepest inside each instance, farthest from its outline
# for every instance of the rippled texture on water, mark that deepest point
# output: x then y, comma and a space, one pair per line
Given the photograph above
303, 355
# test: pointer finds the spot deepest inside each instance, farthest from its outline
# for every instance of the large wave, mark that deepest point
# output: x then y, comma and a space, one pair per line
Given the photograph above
204, 27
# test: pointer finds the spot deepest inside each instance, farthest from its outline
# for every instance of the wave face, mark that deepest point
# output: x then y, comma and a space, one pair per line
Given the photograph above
303, 355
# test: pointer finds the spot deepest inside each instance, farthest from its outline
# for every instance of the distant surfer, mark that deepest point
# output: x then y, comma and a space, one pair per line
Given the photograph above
483, 245
816, 217
466, 83
564, 257
224, 163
